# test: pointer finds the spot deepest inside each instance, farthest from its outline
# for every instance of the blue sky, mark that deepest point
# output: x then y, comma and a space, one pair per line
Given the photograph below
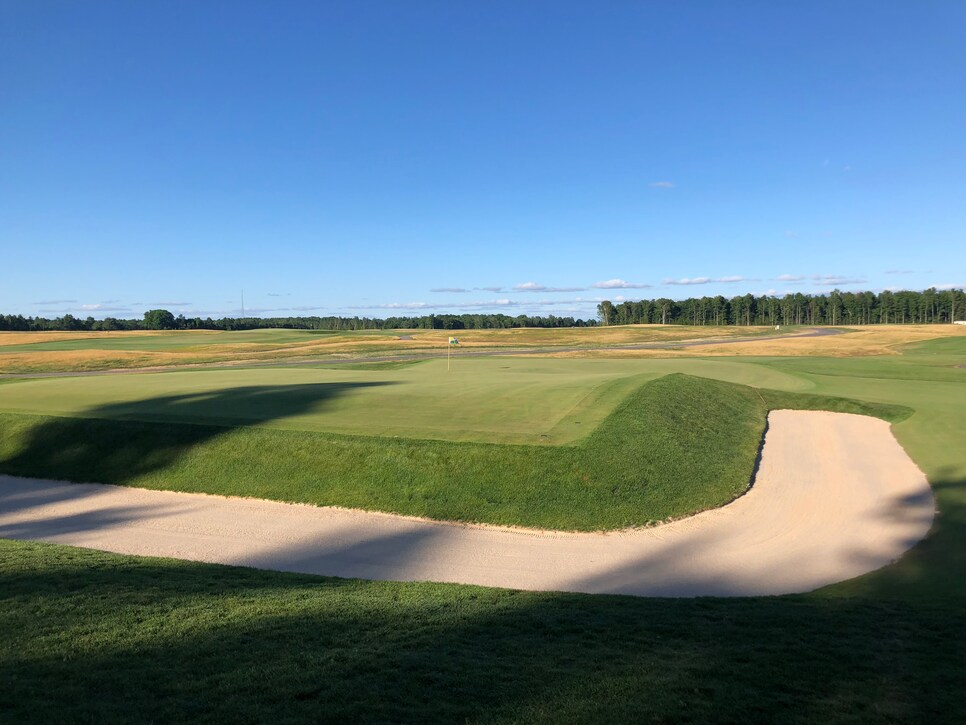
380, 158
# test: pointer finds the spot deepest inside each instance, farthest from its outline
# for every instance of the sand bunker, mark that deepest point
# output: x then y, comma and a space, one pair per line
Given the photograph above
835, 497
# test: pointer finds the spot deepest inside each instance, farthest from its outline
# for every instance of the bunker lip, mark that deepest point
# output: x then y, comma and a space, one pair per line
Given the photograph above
835, 497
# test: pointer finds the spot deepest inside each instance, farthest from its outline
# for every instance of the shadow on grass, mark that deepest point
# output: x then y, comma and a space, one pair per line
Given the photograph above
95, 448
98, 637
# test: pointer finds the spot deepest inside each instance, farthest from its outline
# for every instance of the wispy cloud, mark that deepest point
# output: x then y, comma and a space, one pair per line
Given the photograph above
790, 277
835, 280
535, 287
707, 280
618, 284
172, 304
103, 307
899, 271
55, 302
494, 290
449, 289
279, 294
791, 234
688, 281
503, 302
661, 184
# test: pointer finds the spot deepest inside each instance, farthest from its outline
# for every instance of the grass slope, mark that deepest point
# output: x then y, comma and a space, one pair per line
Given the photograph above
675, 446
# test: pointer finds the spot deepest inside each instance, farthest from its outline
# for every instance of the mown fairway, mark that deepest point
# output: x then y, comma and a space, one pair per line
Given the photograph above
170, 640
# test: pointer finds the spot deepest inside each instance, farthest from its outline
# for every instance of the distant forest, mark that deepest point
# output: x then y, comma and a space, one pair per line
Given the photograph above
834, 308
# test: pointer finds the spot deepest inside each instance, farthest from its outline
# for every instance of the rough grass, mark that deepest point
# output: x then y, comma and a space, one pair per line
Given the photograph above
77, 352
675, 446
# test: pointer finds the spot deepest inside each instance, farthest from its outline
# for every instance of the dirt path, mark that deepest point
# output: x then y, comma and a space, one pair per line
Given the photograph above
835, 497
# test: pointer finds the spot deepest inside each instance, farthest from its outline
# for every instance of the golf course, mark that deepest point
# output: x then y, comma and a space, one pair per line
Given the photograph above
564, 443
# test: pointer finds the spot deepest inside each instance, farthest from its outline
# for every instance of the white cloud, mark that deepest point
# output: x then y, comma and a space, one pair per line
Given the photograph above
502, 302
488, 289
733, 278
535, 287
790, 277
55, 302
833, 280
618, 284
959, 286
448, 289
172, 304
661, 184
688, 280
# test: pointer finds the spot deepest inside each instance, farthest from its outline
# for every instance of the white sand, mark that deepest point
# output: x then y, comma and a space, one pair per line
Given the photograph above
835, 497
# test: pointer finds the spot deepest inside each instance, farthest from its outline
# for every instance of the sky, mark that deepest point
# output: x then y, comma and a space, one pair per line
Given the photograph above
387, 158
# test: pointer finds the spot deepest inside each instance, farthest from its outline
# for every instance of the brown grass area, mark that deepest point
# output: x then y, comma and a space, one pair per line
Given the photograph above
857, 342
868, 340
29, 338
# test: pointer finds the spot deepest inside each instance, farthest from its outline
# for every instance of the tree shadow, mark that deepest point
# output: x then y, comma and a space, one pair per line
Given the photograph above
209, 643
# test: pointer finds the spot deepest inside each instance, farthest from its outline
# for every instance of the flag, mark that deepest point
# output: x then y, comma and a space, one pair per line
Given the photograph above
454, 341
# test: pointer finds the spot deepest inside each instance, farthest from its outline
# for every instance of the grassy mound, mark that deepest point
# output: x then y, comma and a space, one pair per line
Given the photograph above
675, 446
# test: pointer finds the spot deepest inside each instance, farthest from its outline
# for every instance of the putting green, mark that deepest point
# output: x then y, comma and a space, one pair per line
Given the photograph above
499, 400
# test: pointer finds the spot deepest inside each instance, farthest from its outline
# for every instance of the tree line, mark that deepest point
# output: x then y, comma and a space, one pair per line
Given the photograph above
166, 320
833, 308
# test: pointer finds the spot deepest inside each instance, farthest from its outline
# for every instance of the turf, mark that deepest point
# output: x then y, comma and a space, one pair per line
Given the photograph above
511, 400
94, 637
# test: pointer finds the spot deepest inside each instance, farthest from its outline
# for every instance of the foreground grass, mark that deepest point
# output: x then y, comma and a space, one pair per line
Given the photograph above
94, 637
675, 446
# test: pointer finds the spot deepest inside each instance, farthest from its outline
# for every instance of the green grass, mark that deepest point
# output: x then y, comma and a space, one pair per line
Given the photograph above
502, 400
95, 637
376, 365
87, 636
